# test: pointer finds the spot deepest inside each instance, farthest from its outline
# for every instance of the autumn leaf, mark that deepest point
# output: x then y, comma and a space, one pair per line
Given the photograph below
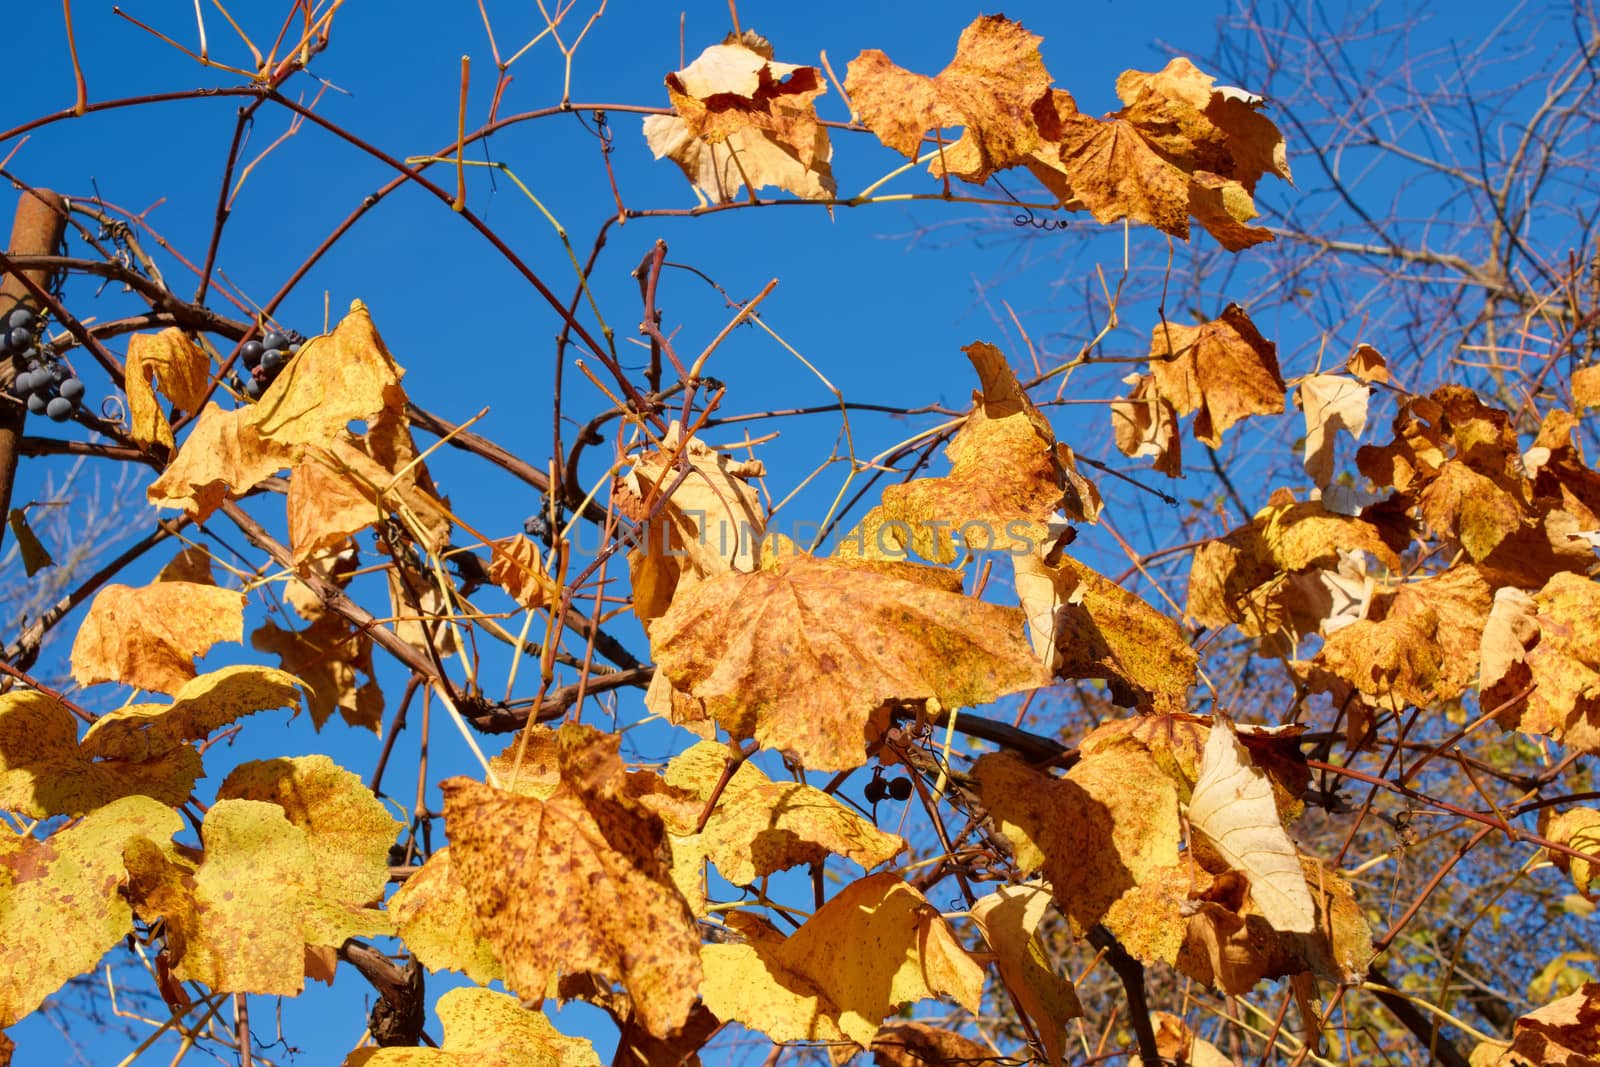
341, 487
60, 901
327, 657
1331, 403
44, 772
760, 826
743, 119
1146, 426
1368, 364
917, 1044
1179, 1044
1560, 1034
347, 829
516, 567
200, 706
35, 557
1577, 828
173, 364
149, 637
1097, 832
233, 922
799, 655
874, 946
530, 867
1223, 370
1232, 806
434, 917
1563, 664
483, 1028
1009, 919
1007, 477
989, 88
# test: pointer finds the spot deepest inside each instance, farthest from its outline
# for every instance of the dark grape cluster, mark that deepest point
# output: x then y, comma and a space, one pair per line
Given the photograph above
897, 788
264, 358
45, 384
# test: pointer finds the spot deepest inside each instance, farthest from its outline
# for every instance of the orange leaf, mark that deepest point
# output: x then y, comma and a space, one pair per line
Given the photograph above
1223, 369
149, 637
800, 654
177, 367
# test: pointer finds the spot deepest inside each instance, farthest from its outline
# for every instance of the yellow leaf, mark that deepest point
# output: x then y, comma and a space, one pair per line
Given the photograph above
1223, 369
542, 914
760, 827
515, 566
177, 367
1560, 1034
916, 1044
1563, 664
43, 771
799, 655
347, 829
1233, 807
1368, 364
875, 946
742, 118
486, 1029
1179, 1044
990, 88
203, 704
148, 637
1105, 827
434, 917
1006, 476
60, 901
1009, 918
1577, 828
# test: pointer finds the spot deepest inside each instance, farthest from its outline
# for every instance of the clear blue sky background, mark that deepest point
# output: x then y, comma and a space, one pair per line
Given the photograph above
883, 315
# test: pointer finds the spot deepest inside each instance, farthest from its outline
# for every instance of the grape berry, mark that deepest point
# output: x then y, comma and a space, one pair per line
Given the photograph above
264, 358
877, 790
45, 384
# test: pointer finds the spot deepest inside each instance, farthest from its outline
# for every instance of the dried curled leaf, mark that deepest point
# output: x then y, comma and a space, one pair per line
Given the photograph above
1232, 806
1560, 1034
1223, 369
1563, 664
1007, 477
1009, 918
149, 637
876, 945
744, 119
1332, 403
800, 654
1145, 425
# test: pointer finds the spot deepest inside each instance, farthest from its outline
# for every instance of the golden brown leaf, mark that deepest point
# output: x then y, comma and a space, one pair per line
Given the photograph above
1560, 1034
483, 1028
917, 1044
1577, 828
149, 637
177, 367
43, 771
1586, 388
1090, 627
530, 867
1223, 369
1179, 1044
203, 704
1368, 364
876, 945
1564, 664
193, 564
1104, 828
515, 566
60, 903
1116, 174
1006, 478
800, 654
1145, 424
35, 557
326, 656
989, 88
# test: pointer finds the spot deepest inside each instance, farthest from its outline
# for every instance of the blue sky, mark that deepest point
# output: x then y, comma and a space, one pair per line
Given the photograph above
880, 298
